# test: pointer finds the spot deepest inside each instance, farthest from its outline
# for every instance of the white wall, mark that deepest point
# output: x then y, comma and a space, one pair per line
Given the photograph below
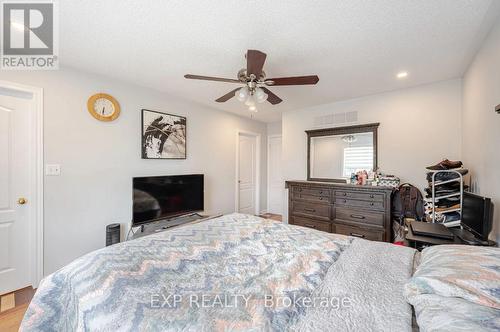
274, 128
481, 125
418, 127
99, 159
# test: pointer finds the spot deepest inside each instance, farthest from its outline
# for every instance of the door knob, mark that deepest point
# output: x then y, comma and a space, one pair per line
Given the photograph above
21, 201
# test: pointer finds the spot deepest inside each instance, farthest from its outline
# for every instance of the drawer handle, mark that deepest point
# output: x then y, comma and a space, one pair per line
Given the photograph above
357, 235
309, 210
357, 216
321, 198
310, 226
345, 194
345, 201
372, 196
320, 192
372, 204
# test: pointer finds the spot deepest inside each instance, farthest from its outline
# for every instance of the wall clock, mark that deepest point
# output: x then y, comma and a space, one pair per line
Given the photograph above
103, 107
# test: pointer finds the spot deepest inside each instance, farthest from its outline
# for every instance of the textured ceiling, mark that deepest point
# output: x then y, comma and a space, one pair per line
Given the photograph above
356, 47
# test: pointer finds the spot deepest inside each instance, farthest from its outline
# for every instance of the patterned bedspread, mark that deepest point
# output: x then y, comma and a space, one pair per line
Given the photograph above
236, 272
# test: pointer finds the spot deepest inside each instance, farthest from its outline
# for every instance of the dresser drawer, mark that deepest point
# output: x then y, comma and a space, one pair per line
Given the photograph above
364, 233
311, 198
316, 211
312, 191
358, 203
360, 217
340, 208
359, 195
305, 222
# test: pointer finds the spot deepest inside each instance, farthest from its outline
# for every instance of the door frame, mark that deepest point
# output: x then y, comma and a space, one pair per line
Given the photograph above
37, 177
269, 137
257, 169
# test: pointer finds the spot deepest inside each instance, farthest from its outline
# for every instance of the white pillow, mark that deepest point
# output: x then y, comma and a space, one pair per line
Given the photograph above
468, 272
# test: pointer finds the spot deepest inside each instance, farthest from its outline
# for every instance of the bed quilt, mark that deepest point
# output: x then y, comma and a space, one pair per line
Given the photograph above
233, 273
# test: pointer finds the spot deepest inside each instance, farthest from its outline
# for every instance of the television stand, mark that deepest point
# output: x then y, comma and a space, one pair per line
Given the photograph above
165, 224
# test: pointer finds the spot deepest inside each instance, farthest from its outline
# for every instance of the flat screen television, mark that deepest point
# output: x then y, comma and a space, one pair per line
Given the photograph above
164, 197
477, 215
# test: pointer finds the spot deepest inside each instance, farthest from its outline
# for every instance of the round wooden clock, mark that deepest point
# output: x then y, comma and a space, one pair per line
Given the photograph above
103, 107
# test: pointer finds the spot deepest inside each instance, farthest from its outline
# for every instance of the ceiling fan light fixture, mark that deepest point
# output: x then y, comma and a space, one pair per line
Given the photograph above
349, 138
260, 95
252, 108
250, 101
242, 94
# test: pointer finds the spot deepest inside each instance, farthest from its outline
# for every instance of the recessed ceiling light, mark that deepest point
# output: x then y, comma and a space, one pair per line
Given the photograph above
402, 74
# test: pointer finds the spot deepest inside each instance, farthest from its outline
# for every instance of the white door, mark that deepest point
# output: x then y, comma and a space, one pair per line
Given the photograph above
246, 173
276, 184
15, 214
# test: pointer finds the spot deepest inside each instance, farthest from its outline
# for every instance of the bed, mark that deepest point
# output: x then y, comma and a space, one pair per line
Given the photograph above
233, 273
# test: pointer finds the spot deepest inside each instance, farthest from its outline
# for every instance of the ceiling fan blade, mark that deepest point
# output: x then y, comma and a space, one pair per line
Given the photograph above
255, 62
271, 97
227, 96
210, 78
297, 80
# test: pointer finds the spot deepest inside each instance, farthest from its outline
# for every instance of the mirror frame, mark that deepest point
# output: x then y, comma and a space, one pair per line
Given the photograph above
371, 127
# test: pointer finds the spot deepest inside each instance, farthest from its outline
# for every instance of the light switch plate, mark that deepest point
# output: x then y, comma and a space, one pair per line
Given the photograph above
53, 169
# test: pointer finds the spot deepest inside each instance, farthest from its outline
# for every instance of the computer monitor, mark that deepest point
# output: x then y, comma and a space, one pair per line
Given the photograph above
477, 215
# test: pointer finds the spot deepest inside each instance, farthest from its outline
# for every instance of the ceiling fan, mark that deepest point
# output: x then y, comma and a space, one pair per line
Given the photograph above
255, 82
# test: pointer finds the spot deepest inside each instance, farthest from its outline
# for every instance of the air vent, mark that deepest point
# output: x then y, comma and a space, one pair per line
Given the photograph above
351, 117
336, 119
324, 120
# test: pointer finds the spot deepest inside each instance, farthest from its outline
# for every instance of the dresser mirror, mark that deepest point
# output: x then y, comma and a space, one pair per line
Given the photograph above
333, 154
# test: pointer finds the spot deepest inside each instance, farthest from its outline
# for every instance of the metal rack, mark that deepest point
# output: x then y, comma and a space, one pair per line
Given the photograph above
435, 199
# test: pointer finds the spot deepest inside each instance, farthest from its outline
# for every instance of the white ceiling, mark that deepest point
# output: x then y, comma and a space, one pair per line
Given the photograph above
355, 46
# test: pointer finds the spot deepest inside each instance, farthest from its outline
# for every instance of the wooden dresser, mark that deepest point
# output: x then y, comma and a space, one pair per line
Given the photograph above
361, 211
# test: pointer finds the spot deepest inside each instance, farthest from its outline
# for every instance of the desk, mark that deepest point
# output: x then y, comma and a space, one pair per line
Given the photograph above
419, 242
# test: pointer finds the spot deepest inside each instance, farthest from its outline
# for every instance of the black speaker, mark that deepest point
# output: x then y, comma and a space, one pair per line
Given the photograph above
112, 234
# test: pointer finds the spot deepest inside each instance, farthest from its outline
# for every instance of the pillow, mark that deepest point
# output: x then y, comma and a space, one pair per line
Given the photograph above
452, 314
468, 272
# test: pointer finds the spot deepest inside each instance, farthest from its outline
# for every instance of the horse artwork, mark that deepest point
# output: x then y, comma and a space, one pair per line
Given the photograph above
163, 135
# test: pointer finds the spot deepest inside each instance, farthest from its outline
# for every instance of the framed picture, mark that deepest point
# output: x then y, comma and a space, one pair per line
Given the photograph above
163, 135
